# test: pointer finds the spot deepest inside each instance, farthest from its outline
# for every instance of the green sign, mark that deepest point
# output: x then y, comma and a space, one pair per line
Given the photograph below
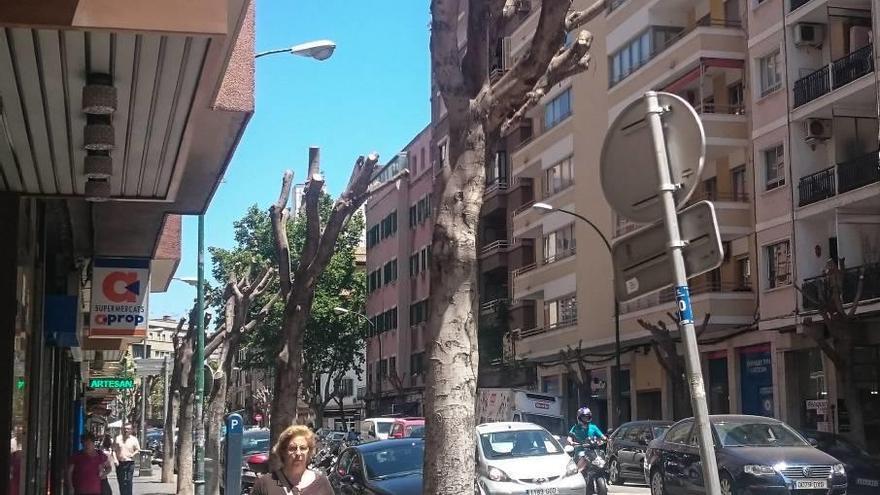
116, 383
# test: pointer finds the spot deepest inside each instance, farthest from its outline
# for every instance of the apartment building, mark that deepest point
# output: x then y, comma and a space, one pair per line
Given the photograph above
399, 229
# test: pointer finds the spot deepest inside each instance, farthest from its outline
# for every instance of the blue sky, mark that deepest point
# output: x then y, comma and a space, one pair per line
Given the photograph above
372, 95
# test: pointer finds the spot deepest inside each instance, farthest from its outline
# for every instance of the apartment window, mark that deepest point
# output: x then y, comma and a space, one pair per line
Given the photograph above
417, 363
418, 312
385, 321
557, 109
414, 265
423, 209
374, 280
383, 369
559, 244
412, 217
639, 50
558, 177
560, 312
743, 273
778, 264
392, 365
770, 70
389, 272
373, 236
736, 98
389, 225
774, 167
442, 154
738, 183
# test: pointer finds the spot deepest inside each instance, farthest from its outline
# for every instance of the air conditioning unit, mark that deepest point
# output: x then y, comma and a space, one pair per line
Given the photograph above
817, 130
808, 34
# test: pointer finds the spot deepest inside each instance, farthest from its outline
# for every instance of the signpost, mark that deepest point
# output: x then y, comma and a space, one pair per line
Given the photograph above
120, 289
659, 140
111, 383
232, 454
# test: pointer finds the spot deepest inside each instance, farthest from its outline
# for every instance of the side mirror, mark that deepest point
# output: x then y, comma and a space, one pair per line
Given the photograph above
568, 449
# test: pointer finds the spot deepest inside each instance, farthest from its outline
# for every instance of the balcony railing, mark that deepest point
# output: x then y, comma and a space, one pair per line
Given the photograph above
561, 255
796, 4
499, 184
817, 290
668, 295
859, 172
531, 332
493, 306
524, 208
739, 109
816, 187
494, 246
524, 269
698, 196
834, 75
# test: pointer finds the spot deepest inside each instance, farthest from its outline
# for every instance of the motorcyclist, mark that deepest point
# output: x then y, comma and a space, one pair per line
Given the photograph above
584, 429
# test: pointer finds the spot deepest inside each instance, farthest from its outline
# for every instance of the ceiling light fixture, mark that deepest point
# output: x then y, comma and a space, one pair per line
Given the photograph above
99, 95
98, 134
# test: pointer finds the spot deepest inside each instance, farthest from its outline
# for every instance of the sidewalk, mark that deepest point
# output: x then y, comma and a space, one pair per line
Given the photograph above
146, 485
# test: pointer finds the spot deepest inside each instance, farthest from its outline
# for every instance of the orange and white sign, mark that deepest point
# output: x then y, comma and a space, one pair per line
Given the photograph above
120, 289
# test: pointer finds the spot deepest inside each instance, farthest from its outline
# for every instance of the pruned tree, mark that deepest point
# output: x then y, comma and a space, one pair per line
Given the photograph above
582, 376
479, 110
665, 345
299, 273
173, 408
239, 294
839, 331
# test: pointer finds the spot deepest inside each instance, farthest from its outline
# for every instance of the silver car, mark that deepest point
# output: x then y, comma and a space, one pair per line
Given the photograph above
524, 459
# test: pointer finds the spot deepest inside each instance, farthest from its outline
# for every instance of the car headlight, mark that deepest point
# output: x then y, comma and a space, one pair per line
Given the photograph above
758, 469
571, 469
496, 474
839, 469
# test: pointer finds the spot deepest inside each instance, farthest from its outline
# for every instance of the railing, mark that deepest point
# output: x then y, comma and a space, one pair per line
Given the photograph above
492, 306
524, 269
717, 196
817, 290
531, 332
796, 4
495, 185
525, 207
625, 228
858, 172
667, 295
834, 75
816, 187
738, 109
494, 246
561, 255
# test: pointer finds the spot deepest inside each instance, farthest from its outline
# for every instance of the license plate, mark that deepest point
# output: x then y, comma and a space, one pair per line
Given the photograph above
543, 491
811, 484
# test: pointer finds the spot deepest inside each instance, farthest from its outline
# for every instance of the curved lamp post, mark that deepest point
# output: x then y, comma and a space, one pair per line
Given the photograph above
618, 397
318, 50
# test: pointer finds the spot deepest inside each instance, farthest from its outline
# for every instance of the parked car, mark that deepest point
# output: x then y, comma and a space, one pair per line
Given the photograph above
403, 427
373, 429
626, 450
862, 469
524, 458
755, 454
388, 467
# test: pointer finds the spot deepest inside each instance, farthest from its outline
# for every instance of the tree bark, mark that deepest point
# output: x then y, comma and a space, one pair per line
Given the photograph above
185, 443
173, 409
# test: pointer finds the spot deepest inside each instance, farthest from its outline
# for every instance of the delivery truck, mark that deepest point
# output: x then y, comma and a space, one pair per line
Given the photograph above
510, 404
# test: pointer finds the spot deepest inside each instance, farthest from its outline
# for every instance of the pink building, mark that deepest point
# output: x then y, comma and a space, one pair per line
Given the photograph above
398, 248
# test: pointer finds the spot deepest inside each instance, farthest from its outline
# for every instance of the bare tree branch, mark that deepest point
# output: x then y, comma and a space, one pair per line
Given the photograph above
475, 63
311, 201
577, 19
445, 56
280, 215
261, 315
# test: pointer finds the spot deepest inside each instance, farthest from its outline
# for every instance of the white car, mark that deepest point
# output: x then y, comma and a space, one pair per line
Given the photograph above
524, 459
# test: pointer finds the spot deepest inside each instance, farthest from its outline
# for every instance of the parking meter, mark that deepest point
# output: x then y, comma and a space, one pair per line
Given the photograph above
232, 454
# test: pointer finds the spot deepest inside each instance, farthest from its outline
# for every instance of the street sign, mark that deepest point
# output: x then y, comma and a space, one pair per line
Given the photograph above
641, 259
149, 367
111, 383
120, 289
232, 457
628, 172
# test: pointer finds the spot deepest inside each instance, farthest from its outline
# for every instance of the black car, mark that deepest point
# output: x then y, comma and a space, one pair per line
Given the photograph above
862, 469
755, 454
387, 467
626, 450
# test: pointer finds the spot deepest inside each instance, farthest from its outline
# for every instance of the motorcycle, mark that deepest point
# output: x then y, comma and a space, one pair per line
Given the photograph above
591, 464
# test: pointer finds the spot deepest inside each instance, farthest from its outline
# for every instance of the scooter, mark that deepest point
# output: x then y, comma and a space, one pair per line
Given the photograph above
591, 464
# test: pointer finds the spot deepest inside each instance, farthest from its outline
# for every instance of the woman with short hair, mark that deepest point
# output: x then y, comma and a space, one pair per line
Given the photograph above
295, 448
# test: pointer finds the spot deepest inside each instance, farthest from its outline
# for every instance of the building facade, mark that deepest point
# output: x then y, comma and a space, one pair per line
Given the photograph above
399, 230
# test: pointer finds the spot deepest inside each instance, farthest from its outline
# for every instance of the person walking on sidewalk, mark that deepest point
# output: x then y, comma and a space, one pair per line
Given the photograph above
107, 449
295, 449
86, 468
127, 449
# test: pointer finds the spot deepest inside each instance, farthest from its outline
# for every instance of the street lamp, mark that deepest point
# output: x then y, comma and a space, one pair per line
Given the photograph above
618, 396
343, 311
191, 281
318, 50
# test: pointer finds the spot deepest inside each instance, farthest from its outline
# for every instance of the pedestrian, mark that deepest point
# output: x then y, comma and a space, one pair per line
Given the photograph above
295, 449
127, 448
86, 468
107, 449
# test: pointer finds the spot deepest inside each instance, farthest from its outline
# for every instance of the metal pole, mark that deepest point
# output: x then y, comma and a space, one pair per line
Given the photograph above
691, 352
166, 377
271, 52
200, 366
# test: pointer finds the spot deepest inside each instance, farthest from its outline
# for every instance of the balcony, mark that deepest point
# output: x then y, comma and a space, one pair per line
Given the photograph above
494, 306
834, 75
532, 332
816, 187
561, 255
817, 288
494, 256
844, 177
496, 185
667, 296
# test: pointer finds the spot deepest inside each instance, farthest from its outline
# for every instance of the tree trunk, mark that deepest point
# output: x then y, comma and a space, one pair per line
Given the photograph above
289, 364
185, 443
453, 347
168, 435
318, 409
216, 410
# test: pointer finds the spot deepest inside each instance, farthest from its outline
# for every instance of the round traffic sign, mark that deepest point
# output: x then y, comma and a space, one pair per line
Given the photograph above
628, 167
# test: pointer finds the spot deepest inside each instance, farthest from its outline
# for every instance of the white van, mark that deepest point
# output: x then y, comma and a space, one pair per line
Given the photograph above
376, 429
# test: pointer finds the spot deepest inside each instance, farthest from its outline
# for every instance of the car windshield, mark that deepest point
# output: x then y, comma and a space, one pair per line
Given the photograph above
739, 434
523, 443
550, 423
251, 443
416, 432
383, 427
395, 460
659, 431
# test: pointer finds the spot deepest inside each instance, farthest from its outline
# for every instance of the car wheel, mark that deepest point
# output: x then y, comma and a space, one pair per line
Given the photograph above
614, 473
657, 487
727, 486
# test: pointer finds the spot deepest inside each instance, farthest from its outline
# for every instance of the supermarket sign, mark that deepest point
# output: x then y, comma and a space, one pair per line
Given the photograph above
111, 383
120, 288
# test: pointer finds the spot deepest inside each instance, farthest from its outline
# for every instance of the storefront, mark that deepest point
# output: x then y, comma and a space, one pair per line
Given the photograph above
756, 380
